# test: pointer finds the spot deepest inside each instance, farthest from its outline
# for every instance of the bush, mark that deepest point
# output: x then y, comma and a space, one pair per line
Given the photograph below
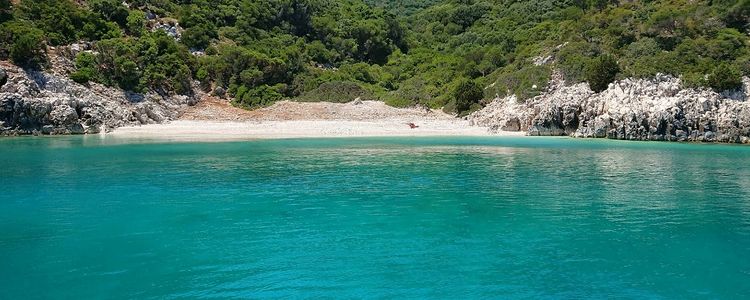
465, 94
263, 95
82, 75
111, 10
136, 23
204, 78
601, 72
412, 91
725, 77
127, 75
573, 59
198, 37
28, 49
319, 53
85, 68
525, 82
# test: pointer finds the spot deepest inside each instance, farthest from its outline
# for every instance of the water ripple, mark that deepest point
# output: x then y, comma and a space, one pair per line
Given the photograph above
374, 218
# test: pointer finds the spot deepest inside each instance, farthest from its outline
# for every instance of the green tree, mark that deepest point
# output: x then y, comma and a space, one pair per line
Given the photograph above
28, 49
725, 77
60, 20
198, 37
111, 10
127, 74
86, 69
318, 52
136, 22
465, 94
601, 72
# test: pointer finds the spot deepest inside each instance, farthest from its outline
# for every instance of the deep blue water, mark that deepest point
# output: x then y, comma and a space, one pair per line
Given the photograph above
451, 218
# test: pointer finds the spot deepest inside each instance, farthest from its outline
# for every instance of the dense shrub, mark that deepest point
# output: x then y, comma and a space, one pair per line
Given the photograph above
28, 48
404, 52
198, 37
154, 61
465, 94
263, 95
135, 23
111, 10
573, 59
82, 76
86, 68
725, 77
601, 72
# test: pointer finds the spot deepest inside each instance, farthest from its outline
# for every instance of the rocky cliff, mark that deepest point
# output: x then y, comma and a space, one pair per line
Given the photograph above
657, 109
33, 102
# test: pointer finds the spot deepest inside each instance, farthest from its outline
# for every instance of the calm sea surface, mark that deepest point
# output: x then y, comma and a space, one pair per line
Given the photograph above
451, 218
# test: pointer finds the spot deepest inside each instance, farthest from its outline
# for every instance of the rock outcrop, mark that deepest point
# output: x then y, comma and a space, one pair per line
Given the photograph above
658, 109
34, 102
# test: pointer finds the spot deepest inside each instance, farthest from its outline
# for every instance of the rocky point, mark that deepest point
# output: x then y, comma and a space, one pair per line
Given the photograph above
657, 109
34, 102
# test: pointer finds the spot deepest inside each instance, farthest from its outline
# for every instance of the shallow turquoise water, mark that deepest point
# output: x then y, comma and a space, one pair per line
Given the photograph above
84, 218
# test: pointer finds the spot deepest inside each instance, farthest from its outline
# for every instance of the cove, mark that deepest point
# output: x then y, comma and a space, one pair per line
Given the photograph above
91, 217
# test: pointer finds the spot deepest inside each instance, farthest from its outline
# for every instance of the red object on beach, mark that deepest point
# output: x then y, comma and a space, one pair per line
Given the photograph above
412, 125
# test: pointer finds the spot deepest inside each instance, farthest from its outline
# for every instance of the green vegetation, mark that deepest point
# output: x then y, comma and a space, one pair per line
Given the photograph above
27, 46
403, 52
403, 8
601, 72
466, 96
724, 77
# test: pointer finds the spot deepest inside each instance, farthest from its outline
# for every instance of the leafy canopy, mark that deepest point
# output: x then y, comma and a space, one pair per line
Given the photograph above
403, 52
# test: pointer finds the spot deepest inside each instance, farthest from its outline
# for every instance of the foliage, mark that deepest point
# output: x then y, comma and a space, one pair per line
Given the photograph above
135, 23
86, 68
64, 21
404, 8
524, 80
153, 61
725, 77
573, 59
410, 52
601, 72
465, 94
82, 76
257, 97
22, 43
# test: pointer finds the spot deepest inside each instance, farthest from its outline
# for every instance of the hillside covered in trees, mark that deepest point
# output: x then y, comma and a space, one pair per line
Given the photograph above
451, 53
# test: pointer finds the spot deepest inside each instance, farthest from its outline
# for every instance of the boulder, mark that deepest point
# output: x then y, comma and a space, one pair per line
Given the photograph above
219, 92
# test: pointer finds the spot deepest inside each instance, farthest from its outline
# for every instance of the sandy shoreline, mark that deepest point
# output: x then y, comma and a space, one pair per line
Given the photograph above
215, 120
185, 130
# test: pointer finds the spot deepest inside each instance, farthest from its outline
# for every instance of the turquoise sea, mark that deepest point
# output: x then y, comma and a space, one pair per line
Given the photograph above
438, 218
